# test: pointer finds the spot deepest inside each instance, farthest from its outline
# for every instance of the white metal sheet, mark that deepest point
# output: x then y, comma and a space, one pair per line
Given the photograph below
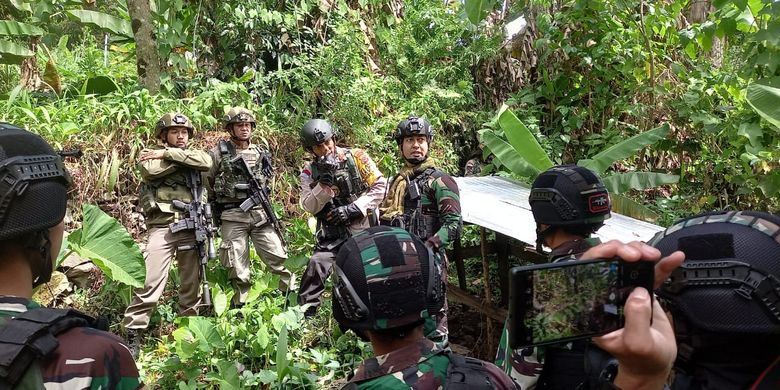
501, 204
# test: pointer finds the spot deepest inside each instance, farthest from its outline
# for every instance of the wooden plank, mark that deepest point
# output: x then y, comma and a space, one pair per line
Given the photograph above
459, 295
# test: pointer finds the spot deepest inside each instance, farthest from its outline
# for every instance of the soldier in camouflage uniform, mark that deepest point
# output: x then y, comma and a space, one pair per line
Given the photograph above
385, 280
33, 197
229, 191
424, 200
569, 203
163, 170
339, 187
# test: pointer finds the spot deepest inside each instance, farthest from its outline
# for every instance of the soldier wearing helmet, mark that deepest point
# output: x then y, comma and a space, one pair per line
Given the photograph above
339, 187
424, 200
39, 345
386, 279
229, 190
163, 173
569, 203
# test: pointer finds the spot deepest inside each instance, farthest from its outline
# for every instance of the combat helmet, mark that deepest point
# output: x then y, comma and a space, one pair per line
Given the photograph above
411, 126
33, 191
725, 298
386, 278
172, 119
239, 114
315, 132
569, 195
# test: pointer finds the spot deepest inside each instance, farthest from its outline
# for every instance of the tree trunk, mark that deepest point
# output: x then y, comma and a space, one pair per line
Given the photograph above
31, 76
698, 13
147, 59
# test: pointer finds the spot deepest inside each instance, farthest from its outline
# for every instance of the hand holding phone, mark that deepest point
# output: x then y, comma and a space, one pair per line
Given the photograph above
570, 300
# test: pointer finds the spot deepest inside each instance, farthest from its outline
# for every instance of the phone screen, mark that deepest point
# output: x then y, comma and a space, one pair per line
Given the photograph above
565, 301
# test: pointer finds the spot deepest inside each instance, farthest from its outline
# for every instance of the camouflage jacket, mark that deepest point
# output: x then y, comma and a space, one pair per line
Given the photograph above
315, 196
436, 216
106, 363
525, 365
164, 180
420, 366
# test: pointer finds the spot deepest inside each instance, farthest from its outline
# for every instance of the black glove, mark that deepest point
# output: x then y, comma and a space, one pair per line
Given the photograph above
327, 166
344, 214
265, 168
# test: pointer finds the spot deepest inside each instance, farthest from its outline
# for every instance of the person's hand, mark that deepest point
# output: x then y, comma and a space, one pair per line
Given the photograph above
156, 154
344, 214
645, 352
266, 168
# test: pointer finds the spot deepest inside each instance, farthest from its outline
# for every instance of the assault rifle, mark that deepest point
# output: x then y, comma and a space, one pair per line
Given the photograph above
257, 195
199, 219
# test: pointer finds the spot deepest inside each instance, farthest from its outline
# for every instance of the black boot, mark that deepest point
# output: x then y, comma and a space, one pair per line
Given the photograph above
134, 341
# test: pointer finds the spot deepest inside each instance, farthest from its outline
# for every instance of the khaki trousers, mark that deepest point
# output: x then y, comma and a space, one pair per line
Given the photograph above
237, 228
158, 255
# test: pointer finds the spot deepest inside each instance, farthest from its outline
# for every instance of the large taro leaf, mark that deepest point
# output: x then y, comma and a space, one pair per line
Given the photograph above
107, 243
631, 208
12, 28
522, 140
507, 155
103, 21
764, 96
205, 333
624, 149
12, 53
622, 182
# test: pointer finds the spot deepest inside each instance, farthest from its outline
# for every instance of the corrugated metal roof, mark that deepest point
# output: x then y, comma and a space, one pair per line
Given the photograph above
501, 204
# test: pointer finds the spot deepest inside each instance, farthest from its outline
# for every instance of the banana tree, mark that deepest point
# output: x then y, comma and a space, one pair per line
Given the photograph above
36, 16
518, 151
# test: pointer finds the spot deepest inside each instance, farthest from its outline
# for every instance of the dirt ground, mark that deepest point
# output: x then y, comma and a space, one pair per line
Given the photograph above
468, 332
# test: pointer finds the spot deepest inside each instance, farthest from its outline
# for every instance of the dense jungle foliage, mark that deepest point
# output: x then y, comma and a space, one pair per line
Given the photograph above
676, 102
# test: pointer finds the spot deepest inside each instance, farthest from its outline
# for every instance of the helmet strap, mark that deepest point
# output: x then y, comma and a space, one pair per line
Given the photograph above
541, 236
44, 266
416, 161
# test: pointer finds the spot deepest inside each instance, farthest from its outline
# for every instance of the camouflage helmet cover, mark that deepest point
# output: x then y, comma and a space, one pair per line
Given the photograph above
386, 278
172, 119
315, 132
411, 126
238, 115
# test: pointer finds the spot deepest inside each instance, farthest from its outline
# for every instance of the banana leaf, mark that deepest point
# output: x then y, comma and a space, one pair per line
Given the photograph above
507, 155
12, 28
13, 54
476, 10
631, 208
107, 243
522, 140
103, 21
764, 97
624, 149
622, 182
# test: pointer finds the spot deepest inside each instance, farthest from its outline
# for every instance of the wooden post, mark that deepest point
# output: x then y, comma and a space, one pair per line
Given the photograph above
502, 252
459, 266
486, 275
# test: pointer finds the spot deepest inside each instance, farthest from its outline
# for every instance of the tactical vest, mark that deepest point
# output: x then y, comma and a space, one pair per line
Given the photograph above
228, 176
347, 179
420, 221
350, 185
156, 197
30, 337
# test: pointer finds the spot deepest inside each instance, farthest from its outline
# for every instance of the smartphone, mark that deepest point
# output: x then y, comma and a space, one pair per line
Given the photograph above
570, 300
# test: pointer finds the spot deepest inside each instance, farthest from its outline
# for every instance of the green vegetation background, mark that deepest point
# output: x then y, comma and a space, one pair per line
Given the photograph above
583, 76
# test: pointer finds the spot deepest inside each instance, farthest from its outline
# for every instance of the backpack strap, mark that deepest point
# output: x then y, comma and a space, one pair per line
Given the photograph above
226, 149
466, 373
32, 336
